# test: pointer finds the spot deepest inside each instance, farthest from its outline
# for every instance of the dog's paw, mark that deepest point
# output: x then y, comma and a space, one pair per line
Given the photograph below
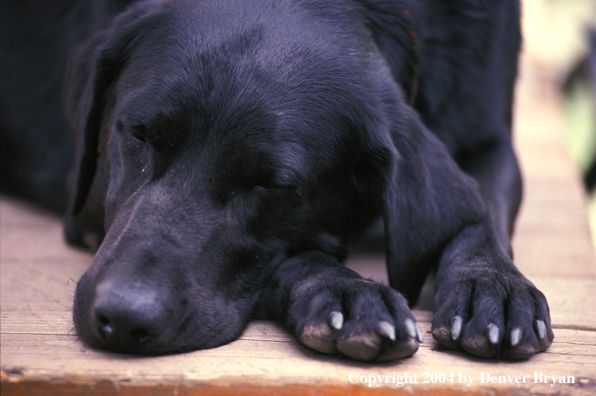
492, 315
358, 318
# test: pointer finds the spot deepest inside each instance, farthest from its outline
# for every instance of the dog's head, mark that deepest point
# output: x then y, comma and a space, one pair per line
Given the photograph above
233, 137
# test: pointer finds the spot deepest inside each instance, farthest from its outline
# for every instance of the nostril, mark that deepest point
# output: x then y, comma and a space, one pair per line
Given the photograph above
114, 330
140, 335
105, 326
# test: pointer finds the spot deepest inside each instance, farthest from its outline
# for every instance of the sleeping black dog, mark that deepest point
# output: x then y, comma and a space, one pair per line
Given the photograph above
238, 147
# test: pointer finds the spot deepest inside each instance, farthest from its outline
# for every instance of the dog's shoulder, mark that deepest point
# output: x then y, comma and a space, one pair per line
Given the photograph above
468, 62
394, 26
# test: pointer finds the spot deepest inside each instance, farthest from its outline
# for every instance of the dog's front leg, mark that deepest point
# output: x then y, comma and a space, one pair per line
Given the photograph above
332, 309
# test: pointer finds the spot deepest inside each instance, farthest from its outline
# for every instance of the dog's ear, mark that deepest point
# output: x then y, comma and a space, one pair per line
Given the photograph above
393, 24
426, 201
90, 76
88, 79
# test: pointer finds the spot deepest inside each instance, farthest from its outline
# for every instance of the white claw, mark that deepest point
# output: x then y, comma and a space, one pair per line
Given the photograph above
493, 333
410, 328
456, 324
515, 336
541, 328
336, 320
387, 330
419, 335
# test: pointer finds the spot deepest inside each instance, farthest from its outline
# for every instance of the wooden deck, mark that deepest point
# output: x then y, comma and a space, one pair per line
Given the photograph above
41, 354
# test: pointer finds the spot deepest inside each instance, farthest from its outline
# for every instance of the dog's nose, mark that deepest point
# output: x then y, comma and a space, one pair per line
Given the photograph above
129, 316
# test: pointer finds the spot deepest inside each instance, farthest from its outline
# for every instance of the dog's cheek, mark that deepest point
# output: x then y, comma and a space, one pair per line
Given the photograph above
242, 209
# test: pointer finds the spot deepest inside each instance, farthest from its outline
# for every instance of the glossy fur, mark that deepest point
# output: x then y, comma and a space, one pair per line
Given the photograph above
231, 150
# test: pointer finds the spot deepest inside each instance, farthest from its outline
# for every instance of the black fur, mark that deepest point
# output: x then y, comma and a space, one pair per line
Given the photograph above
238, 147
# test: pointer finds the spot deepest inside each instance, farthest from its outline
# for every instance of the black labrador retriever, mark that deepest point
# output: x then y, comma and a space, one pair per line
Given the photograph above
237, 147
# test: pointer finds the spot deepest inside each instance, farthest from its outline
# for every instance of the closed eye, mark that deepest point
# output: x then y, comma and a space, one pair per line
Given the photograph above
140, 138
140, 132
262, 187
271, 187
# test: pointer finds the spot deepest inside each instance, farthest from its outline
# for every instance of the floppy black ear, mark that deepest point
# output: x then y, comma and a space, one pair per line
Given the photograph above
427, 200
90, 75
84, 103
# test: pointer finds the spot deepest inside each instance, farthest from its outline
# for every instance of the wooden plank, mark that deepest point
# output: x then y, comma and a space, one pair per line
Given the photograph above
267, 355
552, 235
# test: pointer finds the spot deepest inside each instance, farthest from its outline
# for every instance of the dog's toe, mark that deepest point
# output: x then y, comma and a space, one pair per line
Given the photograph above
523, 344
320, 337
382, 343
483, 344
520, 346
363, 346
448, 335
405, 346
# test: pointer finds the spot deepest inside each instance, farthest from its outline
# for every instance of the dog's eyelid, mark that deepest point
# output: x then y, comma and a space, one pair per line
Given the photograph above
261, 187
264, 186
139, 132
273, 180
140, 138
